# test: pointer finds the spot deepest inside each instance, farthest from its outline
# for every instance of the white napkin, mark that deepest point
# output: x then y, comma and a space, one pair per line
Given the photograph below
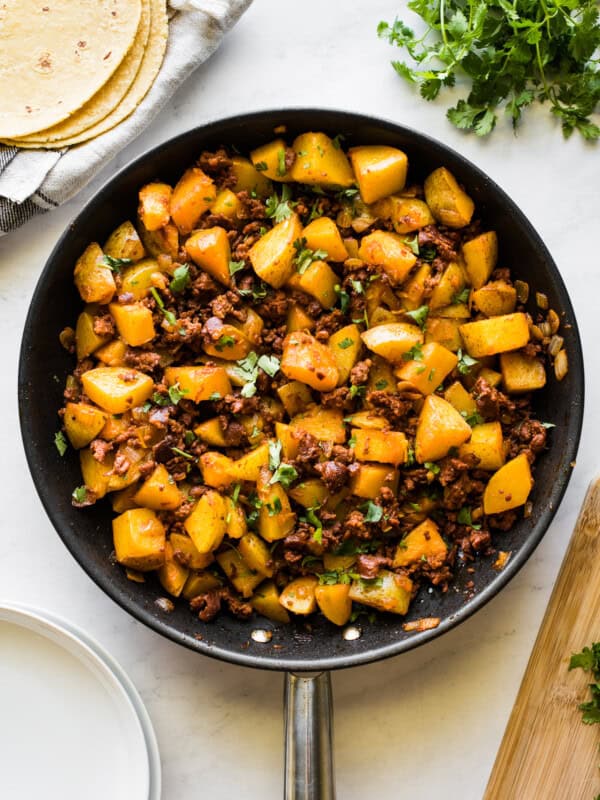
33, 181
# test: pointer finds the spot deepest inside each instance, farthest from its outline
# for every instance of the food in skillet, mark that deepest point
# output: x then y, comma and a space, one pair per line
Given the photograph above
305, 383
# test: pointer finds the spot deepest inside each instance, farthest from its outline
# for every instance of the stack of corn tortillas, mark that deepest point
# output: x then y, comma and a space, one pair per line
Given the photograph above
71, 71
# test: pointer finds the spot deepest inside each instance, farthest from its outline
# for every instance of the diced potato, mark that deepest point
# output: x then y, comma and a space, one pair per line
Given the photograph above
449, 204
138, 279
385, 447
422, 543
481, 255
95, 474
390, 592
83, 423
380, 170
392, 340
388, 251
369, 479
164, 240
299, 595
251, 327
125, 242
256, 554
345, 344
235, 519
444, 331
136, 457
521, 373
407, 214
369, 420
227, 205
318, 161
440, 428
199, 383
491, 376
273, 254
265, 601
295, 397
192, 196
216, 469
154, 205
325, 424
123, 500
414, 289
159, 491
93, 278
310, 493
248, 467
452, 282
87, 341
486, 337
134, 322
116, 424
186, 552
206, 524
334, 602
309, 361
209, 249
495, 298
298, 319
248, 178
139, 539
456, 311
116, 389
238, 572
381, 377
323, 234
509, 487
289, 442
270, 160
171, 574
335, 563
228, 341
430, 371
319, 281
275, 516
199, 583
459, 397
211, 432
378, 294
381, 316
487, 444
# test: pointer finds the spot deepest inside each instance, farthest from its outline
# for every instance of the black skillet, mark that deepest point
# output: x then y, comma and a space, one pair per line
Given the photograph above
297, 647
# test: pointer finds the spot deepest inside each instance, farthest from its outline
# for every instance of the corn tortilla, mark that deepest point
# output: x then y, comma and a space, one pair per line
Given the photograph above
108, 97
56, 55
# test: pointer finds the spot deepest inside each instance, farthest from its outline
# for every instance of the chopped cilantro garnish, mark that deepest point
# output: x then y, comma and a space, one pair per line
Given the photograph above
357, 286
285, 474
274, 454
280, 208
337, 140
414, 354
236, 266
215, 396
182, 453
261, 166
465, 362
281, 168
181, 278
115, 264
589, 660
274, 507
224, 341
432, 467
305, 256
413, 244
61, 443
464, 518
419, 315
344, 298
357, 390
461, 297
472, 419
269, 364
381, 384
169, 316
176, 393
372, 511
345, 343
79, 494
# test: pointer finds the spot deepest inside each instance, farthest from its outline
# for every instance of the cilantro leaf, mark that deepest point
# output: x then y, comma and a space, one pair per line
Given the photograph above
465, 362
461, 297
79, 494
373, 512
269, 364
419, 315
285, 474
181, 278
168, 315
279, 209
464, 518
61, 443
274, 454
115, 264
305, 256
236, 266
176, 393
345, 343
414, 354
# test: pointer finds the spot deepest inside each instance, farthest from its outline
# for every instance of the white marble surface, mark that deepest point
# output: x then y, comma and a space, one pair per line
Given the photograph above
426, 724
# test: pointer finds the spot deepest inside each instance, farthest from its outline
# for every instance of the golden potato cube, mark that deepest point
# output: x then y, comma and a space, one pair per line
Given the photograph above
87, 341
385, 447
319, 162
289, 442
206, 524
295, 397
199, 383
116, 389
209, 249
171, 574
200, 583
369, 479
299, 595
256, 554
244, 579
269, 159
275, 516
334, 602
272, 256
298, 319
451, 283
235, 519
390, 592
521, 373
509, 487
440, 428
192, 196
248, 467
138, 279
136, 457
338, 563
154, 205
227, 204
430, 371
345, 344
123, 500
115, 425
186, 552
481, 255
495, 298
139, 539
491, 376
380, 170
164, 240
423, 542
159, 491
125, 242
407, 214
388, 251
265, 601
319, 280
83, 423
323, 234
487, 444
325, 424
309, 361
248, 178
369, 420
310, 493
134, 323
95, 473
251, 327
228, 342
486, 337
414, 289
93, 278
449, 204
216, 469
444, 331
211, 432
459, 397
392, 340
381, 377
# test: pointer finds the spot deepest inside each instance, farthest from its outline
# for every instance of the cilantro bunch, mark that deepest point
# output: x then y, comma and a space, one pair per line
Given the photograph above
514, 52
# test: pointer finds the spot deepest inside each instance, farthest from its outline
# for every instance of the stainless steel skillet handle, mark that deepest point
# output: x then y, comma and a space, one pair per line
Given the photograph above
308, 737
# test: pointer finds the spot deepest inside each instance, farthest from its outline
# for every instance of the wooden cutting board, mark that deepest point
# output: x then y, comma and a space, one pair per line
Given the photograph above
547, 753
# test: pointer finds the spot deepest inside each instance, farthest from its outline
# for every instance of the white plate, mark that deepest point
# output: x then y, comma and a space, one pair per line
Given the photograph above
73, 725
